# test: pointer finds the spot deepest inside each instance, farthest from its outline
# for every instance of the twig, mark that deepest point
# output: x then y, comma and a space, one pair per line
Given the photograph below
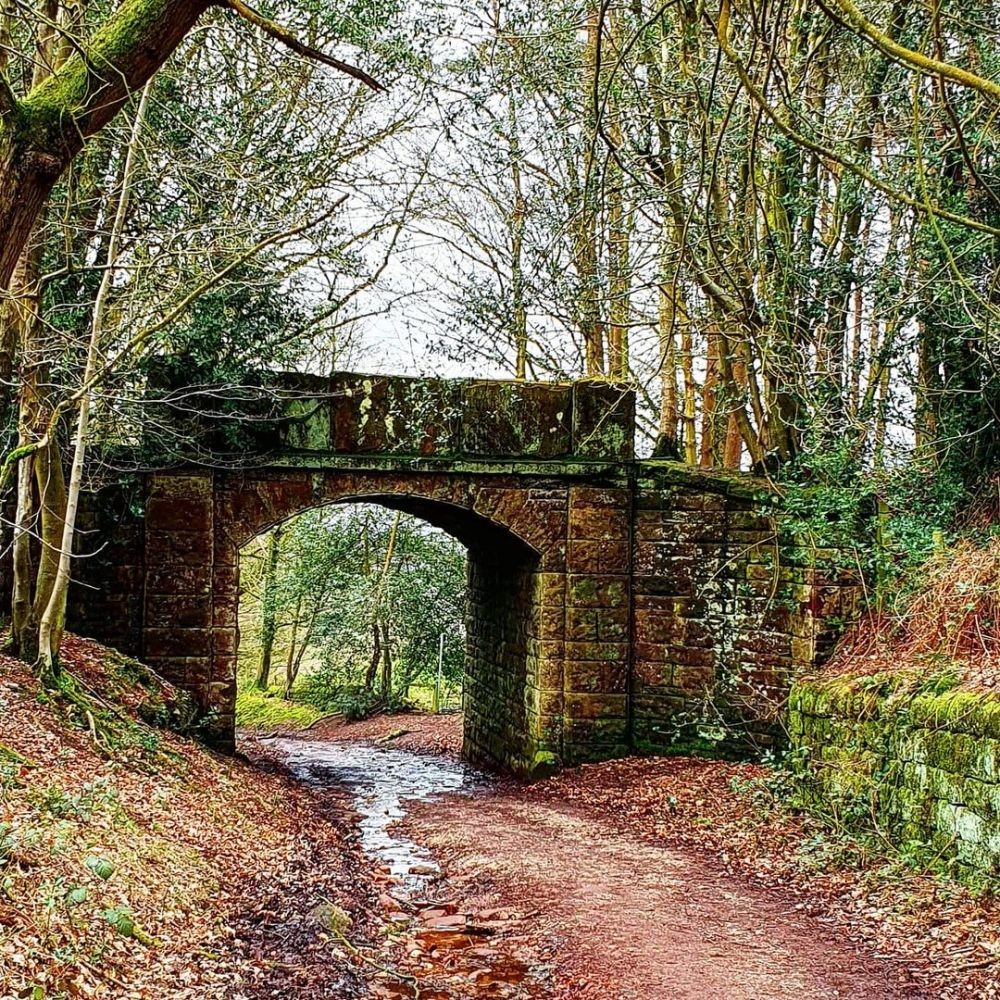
322, 718
355, 950
280, 34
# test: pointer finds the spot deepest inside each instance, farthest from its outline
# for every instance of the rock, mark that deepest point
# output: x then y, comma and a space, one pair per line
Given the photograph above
423, 869
454, 921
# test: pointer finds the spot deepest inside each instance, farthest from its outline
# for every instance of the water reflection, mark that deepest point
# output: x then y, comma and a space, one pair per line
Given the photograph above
382, 780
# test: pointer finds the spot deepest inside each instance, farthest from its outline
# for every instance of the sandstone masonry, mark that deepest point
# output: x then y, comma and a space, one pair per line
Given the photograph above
612, 603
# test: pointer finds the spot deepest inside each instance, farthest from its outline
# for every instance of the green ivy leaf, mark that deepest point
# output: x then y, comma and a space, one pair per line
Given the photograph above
77, 895
101, 867
121, 920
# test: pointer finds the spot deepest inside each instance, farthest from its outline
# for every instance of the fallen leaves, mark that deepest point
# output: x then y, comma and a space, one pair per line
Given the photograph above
161, 870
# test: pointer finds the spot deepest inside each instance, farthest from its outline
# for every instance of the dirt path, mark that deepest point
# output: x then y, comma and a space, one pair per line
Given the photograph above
629, 881
630, 921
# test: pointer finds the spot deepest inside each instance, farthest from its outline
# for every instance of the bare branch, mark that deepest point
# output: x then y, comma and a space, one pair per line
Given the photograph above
283, 35
910, 57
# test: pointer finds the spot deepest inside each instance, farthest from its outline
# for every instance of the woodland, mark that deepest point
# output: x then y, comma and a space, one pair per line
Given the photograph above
777, 221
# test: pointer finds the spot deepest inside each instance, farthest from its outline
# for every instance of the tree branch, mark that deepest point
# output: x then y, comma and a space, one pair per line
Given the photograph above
8, 102
915, 60
722, 31
280, 34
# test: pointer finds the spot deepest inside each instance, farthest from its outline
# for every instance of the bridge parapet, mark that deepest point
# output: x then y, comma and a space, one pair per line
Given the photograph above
351, 414
290, 416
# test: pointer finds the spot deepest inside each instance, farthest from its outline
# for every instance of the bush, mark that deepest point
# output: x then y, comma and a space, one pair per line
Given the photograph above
353, 701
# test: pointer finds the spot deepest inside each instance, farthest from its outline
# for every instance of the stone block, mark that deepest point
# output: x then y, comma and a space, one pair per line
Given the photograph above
598, 557
517, 419
169, 514
598, 497
654, 673
603, 421
596, 678
389, 414
543, 702
188, 672
596, 706
195, 548
548, 673
692, 679
178, 611
167, 643
597, 591
549, 590
598, 523
549, 623
602, 652
167, 579
597, 624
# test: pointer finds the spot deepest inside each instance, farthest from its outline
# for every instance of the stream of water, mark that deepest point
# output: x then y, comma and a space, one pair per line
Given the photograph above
382, 781
449, 958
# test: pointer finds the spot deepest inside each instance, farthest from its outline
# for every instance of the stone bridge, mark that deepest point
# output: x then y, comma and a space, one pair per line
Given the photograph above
612, 603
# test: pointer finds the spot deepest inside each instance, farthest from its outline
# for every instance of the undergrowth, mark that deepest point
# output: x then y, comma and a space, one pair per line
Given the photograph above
844, 833
256, 709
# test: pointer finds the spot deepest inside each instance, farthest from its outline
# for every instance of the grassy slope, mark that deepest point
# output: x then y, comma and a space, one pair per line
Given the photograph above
257, 710
133, 862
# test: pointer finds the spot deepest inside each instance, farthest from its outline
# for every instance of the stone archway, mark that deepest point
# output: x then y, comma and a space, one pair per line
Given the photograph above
626, 602
534, 697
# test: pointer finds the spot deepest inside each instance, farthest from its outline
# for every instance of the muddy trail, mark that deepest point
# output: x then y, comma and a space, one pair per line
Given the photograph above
489, 892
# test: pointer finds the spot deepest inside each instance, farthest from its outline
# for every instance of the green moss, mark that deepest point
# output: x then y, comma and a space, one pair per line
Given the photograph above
907, 755
259, 710
51, 109
544, 764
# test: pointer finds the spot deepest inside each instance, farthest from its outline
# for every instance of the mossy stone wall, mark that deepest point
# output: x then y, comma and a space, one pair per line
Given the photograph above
614, 603
921, 767
727, 610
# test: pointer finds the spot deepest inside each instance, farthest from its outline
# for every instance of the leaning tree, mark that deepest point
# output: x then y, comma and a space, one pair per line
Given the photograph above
42, 130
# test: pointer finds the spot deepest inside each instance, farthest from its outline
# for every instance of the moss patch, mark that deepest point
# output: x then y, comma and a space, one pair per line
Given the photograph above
908, 757
259, 710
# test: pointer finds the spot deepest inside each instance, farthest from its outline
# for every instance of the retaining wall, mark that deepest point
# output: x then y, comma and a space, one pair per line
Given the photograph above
922, 767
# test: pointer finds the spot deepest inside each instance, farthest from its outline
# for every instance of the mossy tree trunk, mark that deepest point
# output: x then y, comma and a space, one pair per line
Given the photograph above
41, 133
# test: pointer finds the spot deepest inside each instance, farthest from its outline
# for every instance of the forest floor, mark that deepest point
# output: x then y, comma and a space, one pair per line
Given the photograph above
134, 864
671, 877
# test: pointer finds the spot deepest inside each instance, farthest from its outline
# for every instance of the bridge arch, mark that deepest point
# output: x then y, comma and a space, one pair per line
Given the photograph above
530, 694
501, 663
641, 597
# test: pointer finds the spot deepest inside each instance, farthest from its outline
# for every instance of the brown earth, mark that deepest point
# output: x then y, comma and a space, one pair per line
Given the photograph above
424, 733
225, 869
640, 878
632, 921
675, 877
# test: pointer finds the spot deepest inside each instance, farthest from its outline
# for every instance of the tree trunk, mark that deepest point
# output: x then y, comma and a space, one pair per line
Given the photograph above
41, 134
296, 665
518, 220
709, 398
376, 658
290, 661
585, 221
23, 623
269, 610
53, 617
386, 663
619, 226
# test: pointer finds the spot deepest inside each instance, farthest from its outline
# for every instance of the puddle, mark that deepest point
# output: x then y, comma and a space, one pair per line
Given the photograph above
382, 780
442, 954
